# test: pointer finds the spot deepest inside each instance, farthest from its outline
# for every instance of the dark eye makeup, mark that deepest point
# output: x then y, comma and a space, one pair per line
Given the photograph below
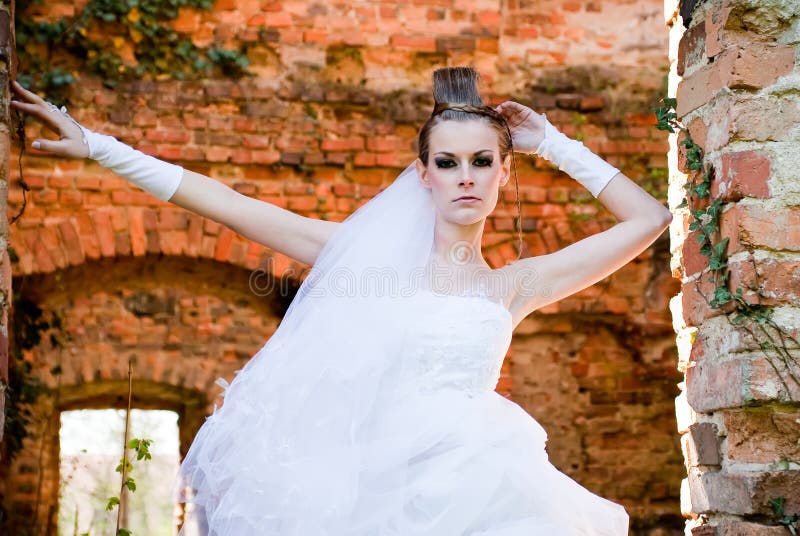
444, 163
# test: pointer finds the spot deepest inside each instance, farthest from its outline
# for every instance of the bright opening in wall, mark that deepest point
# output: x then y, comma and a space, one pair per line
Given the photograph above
91, 448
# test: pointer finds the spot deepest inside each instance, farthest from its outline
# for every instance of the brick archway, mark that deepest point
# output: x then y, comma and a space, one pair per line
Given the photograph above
182, 322
57, 243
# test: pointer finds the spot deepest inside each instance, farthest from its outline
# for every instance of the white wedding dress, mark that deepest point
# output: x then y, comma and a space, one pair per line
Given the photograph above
374, 414
480, 466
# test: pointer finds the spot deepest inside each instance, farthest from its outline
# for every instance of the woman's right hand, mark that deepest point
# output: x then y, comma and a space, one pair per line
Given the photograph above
71, 140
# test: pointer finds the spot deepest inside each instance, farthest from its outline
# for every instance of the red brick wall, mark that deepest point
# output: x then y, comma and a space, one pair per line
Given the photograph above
735, 77
341, 91
6, 47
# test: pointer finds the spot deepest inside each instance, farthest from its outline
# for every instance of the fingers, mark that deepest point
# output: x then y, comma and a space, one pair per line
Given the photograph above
40, 112
48, 146
27, 107
36, 106
510, 108
65, 147
29, 96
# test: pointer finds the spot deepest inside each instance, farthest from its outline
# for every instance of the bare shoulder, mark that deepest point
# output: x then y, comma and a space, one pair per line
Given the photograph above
524, 285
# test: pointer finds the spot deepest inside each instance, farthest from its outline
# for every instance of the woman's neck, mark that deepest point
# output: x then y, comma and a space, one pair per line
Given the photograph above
458, 246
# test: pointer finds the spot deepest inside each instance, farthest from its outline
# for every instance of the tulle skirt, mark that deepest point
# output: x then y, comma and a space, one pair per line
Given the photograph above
438, 464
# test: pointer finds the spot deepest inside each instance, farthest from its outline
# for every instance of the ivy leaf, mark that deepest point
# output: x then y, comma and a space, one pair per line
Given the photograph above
702, 189
112, 502
777, 505
717, 264
720, 247
127, 465
721, 296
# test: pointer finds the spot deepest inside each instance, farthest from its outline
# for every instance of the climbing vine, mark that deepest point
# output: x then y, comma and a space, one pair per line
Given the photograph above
116, 40
142, 449
29, 327
754, 318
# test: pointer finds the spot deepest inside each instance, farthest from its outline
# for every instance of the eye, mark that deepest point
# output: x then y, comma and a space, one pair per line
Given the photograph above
444, 163
483, 162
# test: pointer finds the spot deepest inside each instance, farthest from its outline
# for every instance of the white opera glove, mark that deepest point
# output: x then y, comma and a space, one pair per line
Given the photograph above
152, 175
575, 159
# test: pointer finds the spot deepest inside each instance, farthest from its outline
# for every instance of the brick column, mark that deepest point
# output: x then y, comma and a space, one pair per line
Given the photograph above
736, 80
6, 68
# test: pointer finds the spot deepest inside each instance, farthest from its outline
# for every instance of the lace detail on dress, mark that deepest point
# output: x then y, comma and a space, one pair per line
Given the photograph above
481, 291
456, 341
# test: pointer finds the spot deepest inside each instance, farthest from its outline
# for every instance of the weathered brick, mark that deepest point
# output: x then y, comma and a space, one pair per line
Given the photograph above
762, 434
756, 225
747, 528
693, 260
692, 49
70, 198
720, 382
743, 493
736, 67
743, 174
745, 117
766, 281
346, 144
420, 43
303, 203
703, 445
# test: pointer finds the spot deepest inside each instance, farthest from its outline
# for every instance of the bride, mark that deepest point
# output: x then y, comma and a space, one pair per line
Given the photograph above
372, 410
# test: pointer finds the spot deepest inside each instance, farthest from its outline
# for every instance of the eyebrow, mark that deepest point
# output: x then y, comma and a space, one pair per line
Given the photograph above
475, 153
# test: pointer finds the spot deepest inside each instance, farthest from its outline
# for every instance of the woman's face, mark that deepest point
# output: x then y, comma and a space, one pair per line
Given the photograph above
464, 160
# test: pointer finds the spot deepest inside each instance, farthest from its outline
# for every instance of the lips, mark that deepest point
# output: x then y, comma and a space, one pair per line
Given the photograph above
467, 198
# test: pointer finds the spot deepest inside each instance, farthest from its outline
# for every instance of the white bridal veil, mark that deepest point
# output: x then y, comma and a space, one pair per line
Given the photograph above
324, 379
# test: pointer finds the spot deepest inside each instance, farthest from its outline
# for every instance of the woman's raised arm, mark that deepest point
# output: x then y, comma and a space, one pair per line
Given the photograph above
296, 236
537, 281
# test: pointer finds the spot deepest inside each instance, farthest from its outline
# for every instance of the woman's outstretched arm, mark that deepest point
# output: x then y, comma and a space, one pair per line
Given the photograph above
296, 236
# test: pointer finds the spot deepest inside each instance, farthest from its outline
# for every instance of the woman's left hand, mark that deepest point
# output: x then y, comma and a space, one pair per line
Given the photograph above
527, 127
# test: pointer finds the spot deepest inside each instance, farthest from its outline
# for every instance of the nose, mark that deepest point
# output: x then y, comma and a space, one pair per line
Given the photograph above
465, 179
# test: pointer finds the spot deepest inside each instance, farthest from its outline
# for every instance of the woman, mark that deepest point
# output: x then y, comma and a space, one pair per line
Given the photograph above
372, 410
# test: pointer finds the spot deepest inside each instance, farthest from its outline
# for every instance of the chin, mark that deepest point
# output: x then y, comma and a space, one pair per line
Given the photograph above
466, 219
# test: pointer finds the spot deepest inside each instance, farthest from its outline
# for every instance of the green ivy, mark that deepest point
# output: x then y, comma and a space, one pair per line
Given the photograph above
791, 522
160, 51
29, 324
753, 318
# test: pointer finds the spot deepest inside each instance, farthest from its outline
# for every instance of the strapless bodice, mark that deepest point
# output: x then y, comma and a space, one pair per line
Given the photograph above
454, 341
